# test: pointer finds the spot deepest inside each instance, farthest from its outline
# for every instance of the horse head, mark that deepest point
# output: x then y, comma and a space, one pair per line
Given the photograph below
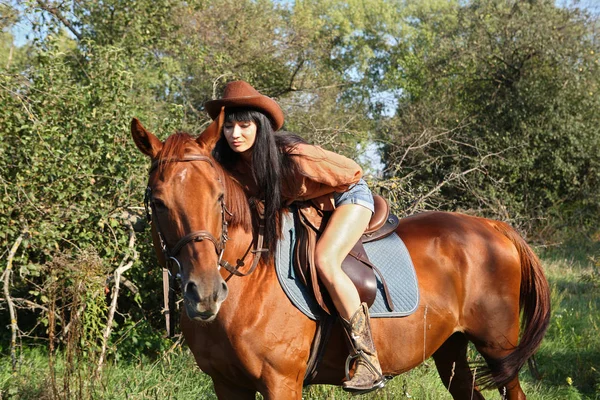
186, 194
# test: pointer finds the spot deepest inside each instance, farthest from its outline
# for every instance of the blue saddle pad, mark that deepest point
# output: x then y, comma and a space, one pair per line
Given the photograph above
389, 255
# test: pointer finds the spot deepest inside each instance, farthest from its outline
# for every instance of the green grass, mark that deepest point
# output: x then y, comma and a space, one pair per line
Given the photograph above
569, 360
571, 349
175, 376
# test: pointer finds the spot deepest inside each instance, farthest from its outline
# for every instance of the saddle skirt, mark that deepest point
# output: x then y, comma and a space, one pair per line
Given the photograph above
389, 255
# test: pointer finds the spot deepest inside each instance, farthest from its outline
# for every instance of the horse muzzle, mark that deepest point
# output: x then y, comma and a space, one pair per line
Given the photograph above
202, 302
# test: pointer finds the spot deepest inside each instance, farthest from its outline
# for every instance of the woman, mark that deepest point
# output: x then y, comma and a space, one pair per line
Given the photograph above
281, 168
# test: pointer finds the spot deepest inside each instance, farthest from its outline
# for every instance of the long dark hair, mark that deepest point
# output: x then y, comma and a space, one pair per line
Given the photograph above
272, 166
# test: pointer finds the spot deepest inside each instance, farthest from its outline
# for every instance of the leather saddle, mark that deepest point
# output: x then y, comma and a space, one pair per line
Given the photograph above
310, 223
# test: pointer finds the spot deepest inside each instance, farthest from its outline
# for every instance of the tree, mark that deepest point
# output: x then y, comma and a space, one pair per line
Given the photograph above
512, 85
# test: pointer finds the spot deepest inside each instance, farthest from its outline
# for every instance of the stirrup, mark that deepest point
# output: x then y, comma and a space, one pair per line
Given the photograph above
377, 384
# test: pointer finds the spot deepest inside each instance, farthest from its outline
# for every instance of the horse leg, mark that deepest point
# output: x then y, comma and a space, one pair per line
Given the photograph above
494, 343
226, 391
277, 386
451, 363
512, 390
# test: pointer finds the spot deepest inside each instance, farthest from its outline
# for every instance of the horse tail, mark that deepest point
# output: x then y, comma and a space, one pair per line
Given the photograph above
534, 302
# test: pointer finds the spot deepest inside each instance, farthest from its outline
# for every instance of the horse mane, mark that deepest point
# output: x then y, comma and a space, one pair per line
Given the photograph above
180, 143
174, 147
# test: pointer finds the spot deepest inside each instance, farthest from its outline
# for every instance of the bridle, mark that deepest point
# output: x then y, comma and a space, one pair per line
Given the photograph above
170, 254
196, 236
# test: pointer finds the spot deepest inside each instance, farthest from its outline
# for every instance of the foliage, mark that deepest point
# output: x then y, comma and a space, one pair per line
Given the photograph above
505, 91
73, 294
570, 351
172, 376
69, 177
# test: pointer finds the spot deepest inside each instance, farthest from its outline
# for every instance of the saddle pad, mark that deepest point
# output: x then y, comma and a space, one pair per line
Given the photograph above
389, 255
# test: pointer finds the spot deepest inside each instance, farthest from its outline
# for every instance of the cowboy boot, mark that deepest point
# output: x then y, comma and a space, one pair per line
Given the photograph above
367, 374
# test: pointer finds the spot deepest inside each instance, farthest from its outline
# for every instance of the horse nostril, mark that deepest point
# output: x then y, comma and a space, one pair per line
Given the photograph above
221, 294
191, 291
224, 291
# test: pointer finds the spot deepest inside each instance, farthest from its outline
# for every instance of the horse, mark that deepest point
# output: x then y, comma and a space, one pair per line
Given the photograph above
475, 278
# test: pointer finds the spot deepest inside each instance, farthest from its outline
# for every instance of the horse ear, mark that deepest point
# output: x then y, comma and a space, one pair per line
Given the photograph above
148, 144
211, 135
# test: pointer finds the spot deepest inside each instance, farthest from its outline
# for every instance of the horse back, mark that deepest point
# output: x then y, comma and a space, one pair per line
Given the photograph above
456, 235
461, 260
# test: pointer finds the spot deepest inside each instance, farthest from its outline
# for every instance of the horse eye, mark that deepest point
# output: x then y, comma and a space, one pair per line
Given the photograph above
159, 205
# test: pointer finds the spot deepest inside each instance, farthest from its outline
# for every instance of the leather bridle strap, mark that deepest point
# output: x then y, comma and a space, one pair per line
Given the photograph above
170, 254
258, 250
186, 158
197, 236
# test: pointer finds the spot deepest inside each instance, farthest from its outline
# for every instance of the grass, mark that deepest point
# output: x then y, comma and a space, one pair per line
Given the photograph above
175, 376
570, 353
569, 359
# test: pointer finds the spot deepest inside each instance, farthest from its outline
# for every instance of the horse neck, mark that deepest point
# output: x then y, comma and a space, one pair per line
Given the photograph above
236, 202
246, 293
259, 283
242, 224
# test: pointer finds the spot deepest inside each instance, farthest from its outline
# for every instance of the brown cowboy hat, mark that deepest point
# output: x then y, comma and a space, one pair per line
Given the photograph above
242, 94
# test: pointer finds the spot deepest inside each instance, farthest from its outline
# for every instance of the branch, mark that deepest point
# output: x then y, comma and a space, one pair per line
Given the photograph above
307, 89
439, 186
115, 294
10, 57
452, 177
216, 84
56, 12
415, 146
28, 304
9, 301
126, 282
67, 327
434, 138
296, 70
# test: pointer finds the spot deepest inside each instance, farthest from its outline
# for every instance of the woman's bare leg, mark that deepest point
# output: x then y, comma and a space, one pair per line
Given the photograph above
347, 223
343, 230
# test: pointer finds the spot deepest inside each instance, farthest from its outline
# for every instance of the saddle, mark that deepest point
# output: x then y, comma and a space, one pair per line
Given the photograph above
310, 222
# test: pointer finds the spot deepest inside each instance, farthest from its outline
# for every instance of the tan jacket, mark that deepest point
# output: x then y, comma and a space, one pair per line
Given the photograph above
323, 173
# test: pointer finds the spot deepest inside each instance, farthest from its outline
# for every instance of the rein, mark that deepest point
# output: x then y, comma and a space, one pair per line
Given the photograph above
170, 255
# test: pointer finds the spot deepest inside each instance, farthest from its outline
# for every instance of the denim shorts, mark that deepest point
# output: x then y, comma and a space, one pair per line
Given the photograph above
359, 193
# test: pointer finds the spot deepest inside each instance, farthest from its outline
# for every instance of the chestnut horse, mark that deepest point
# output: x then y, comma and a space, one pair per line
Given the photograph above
475, 277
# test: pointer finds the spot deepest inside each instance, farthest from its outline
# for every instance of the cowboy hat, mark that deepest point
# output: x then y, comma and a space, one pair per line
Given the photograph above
242, 94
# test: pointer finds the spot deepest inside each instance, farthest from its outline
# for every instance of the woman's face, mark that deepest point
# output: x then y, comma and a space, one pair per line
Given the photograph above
240, 135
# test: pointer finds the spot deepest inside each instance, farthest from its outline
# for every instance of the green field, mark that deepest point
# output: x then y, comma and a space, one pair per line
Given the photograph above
568, 360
